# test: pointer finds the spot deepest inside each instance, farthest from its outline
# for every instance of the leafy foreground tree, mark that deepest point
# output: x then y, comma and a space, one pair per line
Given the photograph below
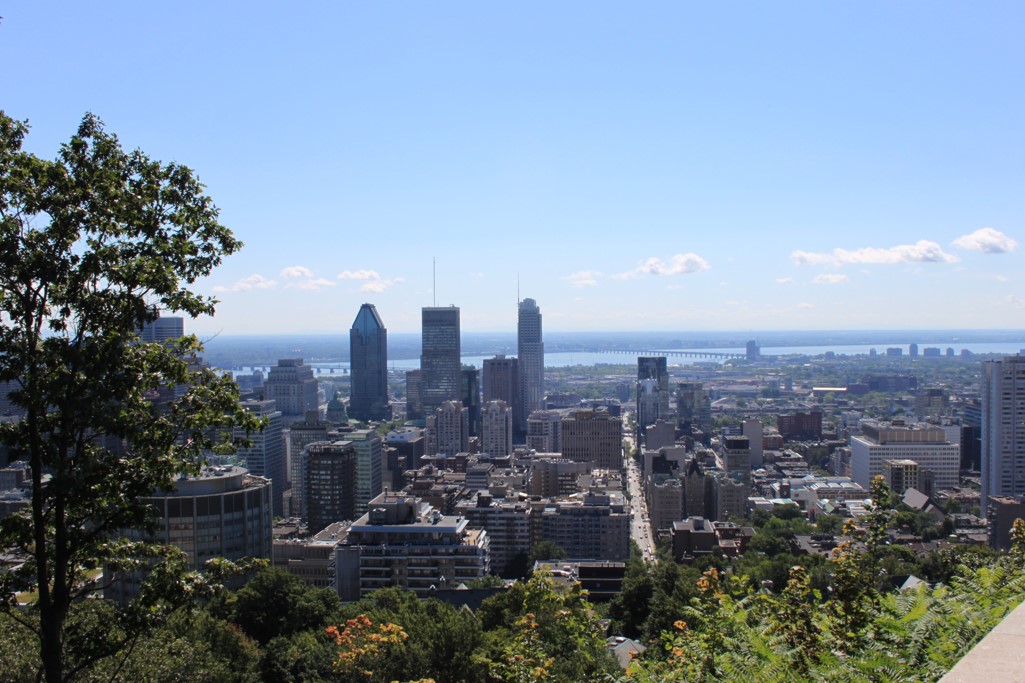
543, 632
860, 635
93, 245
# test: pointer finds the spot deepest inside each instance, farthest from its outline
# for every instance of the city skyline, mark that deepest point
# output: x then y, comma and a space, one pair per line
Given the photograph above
667, 167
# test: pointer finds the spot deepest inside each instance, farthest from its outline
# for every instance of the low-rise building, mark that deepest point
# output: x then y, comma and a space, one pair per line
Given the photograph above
311, 558
923, 443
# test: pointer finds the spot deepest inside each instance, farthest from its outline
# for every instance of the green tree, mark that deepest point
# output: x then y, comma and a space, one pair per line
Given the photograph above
550, 634
543, 551
93, 245
630, 607
276, 603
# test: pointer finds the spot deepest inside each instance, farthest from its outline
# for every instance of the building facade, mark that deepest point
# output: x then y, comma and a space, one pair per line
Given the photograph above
497, 434
301, 434
594, 526
593, 437
501, 382
164, 328
544, 431
509, 525
693, 407
369, 465
448, 430
292, 387
265, 454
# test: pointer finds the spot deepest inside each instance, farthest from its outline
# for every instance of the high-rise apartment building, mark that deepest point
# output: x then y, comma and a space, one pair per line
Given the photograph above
368, 360
498, 428
440, 367
531, 350
292, 386
1003, 428
331, 482
502, 383
265, 454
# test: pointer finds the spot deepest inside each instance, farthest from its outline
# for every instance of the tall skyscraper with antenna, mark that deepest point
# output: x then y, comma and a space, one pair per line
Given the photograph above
531, 352
368, 358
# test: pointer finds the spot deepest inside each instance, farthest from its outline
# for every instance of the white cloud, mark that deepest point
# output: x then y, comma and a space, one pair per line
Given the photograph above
988, 241
378, 286
805, 304
311, 284
829, 279
359, 275
922, 251
582, 278
680, 264
254, 281
296, 271
1015, 301
784, 281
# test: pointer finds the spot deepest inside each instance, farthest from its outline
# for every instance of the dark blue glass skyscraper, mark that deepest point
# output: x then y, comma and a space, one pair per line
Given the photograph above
368, 359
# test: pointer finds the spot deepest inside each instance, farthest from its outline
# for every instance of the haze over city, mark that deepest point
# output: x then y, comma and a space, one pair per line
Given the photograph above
673, 166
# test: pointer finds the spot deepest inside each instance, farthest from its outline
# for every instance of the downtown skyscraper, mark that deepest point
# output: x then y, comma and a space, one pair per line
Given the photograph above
440, 366
368, 359
531, 352
652, 391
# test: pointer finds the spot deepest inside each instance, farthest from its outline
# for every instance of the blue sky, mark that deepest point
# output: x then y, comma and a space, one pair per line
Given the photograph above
636, 166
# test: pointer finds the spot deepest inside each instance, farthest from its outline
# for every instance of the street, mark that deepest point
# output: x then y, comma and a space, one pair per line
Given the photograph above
640, 529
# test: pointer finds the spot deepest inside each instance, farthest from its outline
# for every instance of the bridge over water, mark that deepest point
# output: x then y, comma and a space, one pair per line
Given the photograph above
697, 353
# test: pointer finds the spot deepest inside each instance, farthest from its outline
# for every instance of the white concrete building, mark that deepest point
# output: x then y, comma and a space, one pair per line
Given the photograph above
926, 444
